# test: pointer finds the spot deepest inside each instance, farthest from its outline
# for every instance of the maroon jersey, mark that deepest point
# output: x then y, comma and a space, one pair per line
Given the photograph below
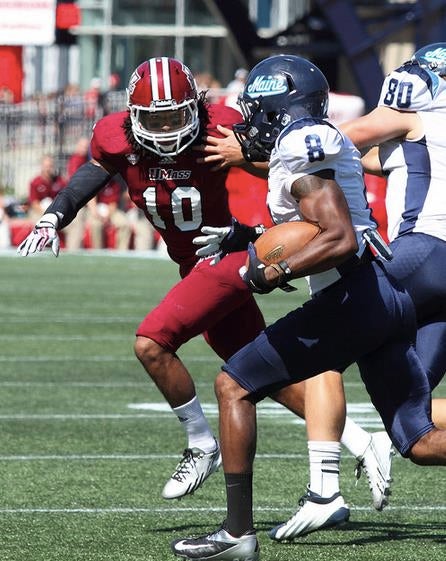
177, 195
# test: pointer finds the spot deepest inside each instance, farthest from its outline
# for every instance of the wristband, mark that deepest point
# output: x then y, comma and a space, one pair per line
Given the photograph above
284, 271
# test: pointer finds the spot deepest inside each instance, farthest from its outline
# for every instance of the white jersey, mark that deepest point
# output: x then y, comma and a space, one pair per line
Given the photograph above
416, 169
305, 147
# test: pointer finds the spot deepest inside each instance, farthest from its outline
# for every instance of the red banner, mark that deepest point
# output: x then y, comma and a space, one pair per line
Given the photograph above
11, 74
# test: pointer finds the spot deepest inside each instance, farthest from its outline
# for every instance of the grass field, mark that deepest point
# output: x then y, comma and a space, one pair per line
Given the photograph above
87, 441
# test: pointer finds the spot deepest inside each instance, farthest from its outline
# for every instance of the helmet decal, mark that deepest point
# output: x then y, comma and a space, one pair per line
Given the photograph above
134, 79
436, 55
267, 85
432, 57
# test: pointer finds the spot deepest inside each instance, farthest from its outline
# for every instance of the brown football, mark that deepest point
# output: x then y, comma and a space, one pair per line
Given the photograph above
283, 240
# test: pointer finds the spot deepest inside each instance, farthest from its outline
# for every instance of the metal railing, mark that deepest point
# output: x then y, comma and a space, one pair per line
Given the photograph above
48, 125
45, 125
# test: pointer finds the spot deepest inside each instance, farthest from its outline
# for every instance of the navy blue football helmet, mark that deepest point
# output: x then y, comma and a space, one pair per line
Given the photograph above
432, 57
278, 90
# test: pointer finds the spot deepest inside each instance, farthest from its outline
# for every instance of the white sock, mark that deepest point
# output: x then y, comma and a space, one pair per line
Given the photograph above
324, 467
355, 438
193, 421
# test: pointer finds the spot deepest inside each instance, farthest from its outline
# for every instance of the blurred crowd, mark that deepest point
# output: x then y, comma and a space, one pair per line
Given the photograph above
110, 220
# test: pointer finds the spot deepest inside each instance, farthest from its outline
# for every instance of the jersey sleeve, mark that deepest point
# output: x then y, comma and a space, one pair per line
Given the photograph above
309, 147
108, 138
409, 88
221, 115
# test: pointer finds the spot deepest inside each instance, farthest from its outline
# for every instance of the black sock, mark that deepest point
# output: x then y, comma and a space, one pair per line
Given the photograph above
239, 502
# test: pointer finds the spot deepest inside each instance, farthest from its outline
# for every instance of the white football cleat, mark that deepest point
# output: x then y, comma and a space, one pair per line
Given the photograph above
192, 471
376, 463
219, 546
315, 513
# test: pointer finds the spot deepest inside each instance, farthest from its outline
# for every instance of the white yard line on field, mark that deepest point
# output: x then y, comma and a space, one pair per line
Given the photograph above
126, 457
176, 510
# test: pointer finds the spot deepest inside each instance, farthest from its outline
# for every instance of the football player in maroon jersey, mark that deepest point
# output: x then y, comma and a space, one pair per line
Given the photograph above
150, 146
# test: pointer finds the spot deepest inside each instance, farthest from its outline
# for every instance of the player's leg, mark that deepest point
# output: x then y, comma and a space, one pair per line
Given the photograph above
200, 301
431, 348
322, 505
439, 413
236, 538
401, 394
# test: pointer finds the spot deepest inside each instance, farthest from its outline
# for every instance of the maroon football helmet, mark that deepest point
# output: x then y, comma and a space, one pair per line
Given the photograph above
162, 98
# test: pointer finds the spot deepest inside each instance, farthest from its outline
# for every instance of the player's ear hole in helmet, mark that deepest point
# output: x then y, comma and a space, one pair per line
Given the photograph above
163, 101
278, 90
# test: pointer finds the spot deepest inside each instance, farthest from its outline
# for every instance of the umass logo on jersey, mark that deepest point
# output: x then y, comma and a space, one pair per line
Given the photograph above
267, 85
157, 174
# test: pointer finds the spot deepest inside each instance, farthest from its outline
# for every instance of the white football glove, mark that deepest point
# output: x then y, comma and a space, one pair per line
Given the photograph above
43, 234
211, 242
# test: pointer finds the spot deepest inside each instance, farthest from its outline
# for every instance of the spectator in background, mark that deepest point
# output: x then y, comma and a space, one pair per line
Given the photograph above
207, 83
5, 239
235, 87
43, 188
6, 95
74, 232
144, 237
107, 99
344, 107
105, 211
93, 99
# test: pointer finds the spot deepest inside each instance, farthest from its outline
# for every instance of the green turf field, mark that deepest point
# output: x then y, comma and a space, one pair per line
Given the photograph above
86, 441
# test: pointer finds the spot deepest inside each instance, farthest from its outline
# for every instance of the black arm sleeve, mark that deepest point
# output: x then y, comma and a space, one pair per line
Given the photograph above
85, 183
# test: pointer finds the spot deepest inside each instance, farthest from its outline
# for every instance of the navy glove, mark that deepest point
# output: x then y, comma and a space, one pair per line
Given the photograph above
254, 275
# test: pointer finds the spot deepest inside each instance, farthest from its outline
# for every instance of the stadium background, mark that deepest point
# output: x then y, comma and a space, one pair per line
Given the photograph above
86, 442
100, 42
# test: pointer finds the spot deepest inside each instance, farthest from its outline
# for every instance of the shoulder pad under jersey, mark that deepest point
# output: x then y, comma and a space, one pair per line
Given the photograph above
309, 144
411, 88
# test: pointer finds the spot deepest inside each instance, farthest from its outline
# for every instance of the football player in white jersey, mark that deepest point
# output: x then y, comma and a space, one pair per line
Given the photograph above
357, 312
408, 125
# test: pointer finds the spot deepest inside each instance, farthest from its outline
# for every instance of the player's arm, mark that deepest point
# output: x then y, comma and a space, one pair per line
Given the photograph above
225, 152
85, 183
322, 202
371, 162
381, 124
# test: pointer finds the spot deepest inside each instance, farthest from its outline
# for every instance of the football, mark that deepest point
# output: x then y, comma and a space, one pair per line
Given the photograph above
283, 240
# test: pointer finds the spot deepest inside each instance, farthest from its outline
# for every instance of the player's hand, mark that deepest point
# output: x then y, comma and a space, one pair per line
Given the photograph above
221, 241
254, 274
211, 242
43, 234
221, 152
